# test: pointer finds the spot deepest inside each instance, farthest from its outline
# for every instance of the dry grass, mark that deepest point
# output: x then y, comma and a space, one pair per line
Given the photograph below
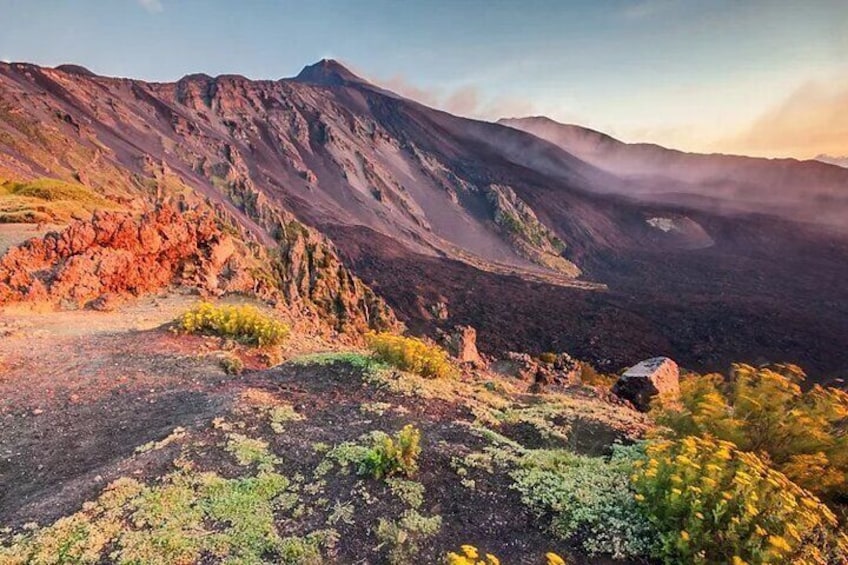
47, 200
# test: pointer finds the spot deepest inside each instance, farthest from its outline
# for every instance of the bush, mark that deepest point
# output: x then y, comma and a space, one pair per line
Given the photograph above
589, 499
468, 555
380, 455
711, 503
404, 537
393, 456
243, 323
590, 376
802, 434
548, 357
232, 365
411, 354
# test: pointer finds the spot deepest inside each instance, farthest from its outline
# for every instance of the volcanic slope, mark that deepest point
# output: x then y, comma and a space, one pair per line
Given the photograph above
536, 247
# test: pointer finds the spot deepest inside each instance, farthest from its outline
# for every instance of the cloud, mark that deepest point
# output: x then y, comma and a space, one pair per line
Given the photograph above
466, 101
399, 85
812, 120
152, 6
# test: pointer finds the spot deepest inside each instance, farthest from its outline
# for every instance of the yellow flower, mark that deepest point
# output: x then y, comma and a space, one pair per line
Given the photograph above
639, 497
779, 543
739, 561
492, 560
470, 551
554, 559
684, 535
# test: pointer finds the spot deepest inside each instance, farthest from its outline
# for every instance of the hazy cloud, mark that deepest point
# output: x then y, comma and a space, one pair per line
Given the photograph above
152, 6
812, 120
466, 101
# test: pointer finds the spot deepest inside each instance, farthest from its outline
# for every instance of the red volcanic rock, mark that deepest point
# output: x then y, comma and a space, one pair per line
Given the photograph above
116, 254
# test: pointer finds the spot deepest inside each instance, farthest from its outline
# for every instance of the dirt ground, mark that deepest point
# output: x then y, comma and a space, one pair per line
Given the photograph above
80, 391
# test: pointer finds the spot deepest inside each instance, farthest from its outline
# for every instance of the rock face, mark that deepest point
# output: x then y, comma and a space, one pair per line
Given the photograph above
561, 369
117, 254
645, 380
461, 343
311, 273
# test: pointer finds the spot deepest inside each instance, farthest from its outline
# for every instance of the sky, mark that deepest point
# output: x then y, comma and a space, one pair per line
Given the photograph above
759, 77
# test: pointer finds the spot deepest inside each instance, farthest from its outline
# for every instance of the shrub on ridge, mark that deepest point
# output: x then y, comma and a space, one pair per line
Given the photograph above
244, 323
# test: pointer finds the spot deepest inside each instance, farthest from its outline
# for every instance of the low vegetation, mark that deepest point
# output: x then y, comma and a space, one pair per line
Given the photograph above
381, 455
271, 482
46, 200
588, 500
711, 503
803, 434
178, 520
411, 354
468, 555
243, 323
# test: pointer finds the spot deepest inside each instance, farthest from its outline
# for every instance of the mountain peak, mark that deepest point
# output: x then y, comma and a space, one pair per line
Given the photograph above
328, 72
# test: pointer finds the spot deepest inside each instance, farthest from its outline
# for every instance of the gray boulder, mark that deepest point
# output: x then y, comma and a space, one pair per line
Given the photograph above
645, 380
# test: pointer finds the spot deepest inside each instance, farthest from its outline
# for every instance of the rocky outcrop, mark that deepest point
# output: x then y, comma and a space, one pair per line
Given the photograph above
559, 369
116, 254
310, 272
461, 343
648, 379
528, 235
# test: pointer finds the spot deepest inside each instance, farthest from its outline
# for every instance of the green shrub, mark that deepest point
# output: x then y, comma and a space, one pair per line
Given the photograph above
382, 455
405, 536
548, 357
232, 365
393, 456
590, 376
765, 411
711, 503
588, 499
243, 323
411, 354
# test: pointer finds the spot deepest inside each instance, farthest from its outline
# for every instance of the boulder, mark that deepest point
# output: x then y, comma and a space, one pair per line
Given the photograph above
516, 365
561, 369
461, 343
645, 380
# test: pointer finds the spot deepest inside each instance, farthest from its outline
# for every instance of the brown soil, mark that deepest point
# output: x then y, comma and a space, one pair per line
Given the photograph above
81, 390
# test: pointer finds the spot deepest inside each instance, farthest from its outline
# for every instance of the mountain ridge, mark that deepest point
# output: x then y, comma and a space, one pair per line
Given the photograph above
806, 190
481, 204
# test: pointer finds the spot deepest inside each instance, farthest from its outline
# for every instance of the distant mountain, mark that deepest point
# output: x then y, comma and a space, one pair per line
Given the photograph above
839, 161
808, 191
581, 243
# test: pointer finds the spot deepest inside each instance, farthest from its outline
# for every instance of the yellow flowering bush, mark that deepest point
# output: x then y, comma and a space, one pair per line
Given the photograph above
553, 559
765, 411
411, 354
243, 323
711, 503
468, 555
